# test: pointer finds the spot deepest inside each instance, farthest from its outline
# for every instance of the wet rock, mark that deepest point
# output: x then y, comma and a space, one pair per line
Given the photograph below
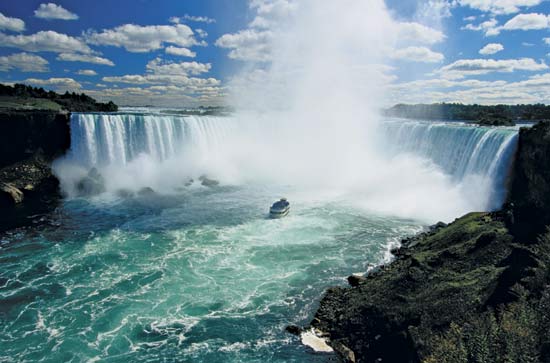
207, 182
294, 330
125, 193
92, 184
437, 226
146, 192
10, 195
35, 183
347, 354
356, 280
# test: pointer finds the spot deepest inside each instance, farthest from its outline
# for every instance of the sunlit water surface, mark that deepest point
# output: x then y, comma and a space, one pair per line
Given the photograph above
201, 276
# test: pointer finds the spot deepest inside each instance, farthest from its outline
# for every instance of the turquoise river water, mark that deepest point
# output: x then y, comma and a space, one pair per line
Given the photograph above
199, 274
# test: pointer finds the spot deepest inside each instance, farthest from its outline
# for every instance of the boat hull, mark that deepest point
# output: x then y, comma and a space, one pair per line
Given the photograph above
277, 215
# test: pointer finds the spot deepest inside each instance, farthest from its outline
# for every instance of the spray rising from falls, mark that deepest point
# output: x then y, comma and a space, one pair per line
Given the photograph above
469, 155
135, 150
308, 118
103, 140
429, 171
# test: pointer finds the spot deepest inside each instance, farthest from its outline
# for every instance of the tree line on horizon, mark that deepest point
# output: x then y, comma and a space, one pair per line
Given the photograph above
71, 101
475, 112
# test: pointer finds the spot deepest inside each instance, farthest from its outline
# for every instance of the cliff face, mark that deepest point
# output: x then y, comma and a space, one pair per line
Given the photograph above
530, 192
476, 290
29, 141
23, 133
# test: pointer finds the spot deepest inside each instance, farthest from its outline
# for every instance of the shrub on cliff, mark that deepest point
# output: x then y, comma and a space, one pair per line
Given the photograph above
512, 334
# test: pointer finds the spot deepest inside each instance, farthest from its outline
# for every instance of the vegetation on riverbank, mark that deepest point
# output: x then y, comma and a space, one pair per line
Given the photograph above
477, 290
22, 97
497, 115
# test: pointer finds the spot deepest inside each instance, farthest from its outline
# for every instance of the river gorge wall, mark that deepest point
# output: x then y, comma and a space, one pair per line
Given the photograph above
29, 142
477, 290
474, 291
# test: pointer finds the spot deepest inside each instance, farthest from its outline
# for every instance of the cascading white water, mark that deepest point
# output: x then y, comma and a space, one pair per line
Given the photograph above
462, 151
117, 139
464, 165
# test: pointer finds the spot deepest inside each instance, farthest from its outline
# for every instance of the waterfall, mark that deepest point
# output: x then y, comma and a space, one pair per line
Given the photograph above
431, 168
462, 151
117, 139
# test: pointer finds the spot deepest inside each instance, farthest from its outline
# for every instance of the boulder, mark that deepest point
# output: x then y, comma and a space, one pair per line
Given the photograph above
294, 330
92, 184
31, 186
10, 195
125, 193
207, 182
146, 192
356, 280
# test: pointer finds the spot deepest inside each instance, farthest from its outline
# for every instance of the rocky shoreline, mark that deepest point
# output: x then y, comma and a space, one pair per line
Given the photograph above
477, 290
34, 131
29, 142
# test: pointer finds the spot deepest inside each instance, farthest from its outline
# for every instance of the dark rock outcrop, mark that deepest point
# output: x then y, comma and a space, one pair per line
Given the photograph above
28, 189
10, 196
207, 182
34, 130
294, 330
529, 199
24, 133
146, 192
356, 280
476, 290
29, 142
92, 184
443, 277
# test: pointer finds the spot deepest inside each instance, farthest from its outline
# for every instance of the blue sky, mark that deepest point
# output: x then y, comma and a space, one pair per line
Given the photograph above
185, 52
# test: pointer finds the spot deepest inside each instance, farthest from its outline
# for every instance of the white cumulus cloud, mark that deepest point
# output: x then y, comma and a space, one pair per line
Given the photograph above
24, 62
141, 39
87, 72
248, 45
197, 19
84, 58
157, 66
467, 67
489, 27
418, 54
201, 33
499, 7
45, 41
183, 52
14, 24
53, 11
491, 48
531, 21
59, 84
419, 34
